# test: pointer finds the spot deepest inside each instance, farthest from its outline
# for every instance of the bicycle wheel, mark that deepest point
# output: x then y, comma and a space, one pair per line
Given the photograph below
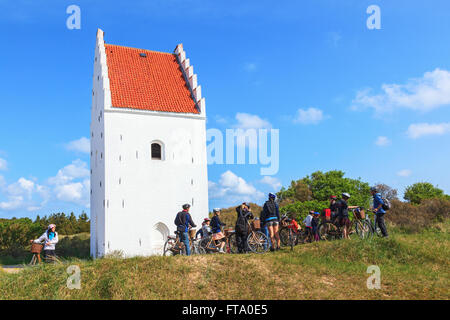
169, 247
284, 236
363, 229
256, 242
329, 231
232, 244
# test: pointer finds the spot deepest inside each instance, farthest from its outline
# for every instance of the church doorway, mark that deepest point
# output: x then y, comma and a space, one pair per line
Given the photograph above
159, 236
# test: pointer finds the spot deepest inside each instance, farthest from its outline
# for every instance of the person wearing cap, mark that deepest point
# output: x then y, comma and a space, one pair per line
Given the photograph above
216, 226
50, 239
183, 221
342, 213
243, 214
378, 210
270, 217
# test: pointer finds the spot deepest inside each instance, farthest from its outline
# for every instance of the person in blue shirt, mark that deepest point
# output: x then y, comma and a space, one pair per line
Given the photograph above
183, 221
270, 217
216, 226
379, 211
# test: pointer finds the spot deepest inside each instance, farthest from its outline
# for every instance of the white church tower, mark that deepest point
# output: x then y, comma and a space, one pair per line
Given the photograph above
148, 148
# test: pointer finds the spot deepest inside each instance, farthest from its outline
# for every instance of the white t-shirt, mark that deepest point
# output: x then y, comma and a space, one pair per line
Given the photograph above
308, 220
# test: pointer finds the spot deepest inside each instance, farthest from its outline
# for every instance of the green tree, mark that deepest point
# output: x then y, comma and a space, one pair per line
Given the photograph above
422, 190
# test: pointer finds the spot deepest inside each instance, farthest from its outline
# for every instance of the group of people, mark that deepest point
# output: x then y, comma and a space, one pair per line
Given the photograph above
270, 221
339, 211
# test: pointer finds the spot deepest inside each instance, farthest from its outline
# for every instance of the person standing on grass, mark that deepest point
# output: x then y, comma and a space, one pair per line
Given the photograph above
270, 216
50, 239
379, 211
308, 225
342, 213
183, 221
315, 226
243, 214
216, 226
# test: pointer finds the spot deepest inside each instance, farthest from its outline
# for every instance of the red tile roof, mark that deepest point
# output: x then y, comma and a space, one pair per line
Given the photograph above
155, 82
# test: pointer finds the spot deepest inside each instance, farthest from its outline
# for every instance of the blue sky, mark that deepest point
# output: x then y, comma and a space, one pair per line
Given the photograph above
373, 103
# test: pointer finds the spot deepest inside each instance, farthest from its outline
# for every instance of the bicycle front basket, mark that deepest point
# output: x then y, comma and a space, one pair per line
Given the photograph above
36, 247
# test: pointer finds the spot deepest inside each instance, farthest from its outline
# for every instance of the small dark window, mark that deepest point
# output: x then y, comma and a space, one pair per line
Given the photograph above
156, 151
143, 55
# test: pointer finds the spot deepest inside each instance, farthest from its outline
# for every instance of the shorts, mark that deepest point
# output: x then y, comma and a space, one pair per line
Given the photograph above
344, 221
272, 223
218, 236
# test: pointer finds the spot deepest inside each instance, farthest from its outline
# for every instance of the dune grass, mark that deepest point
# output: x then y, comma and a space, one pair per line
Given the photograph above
413, 266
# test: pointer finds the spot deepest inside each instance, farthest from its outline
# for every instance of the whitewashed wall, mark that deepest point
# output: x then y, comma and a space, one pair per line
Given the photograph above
134, 199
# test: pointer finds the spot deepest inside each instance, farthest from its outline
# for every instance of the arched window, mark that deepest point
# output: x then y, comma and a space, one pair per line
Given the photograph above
156, 150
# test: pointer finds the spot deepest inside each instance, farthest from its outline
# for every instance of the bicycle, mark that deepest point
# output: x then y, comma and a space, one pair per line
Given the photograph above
330, 230
256, 240
375, 229
173, 245
36, 249
289, 234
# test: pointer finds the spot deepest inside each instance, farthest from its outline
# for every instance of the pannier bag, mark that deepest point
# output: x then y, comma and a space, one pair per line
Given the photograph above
256, 224
192, 233
326, 214
360, 214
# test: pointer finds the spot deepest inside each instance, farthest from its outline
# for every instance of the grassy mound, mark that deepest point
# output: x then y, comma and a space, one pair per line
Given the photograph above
413, 266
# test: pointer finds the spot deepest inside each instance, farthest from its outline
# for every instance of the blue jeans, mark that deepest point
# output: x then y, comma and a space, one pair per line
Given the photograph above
185, 240
265, 230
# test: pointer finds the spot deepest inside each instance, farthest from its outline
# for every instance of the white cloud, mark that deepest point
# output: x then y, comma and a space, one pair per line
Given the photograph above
382, 141
13, 203
77, 169
418, 130
81, 145
422, 94
71, 184
271, 181
309, 116
234, 188
404, 173
251, 121
3, 164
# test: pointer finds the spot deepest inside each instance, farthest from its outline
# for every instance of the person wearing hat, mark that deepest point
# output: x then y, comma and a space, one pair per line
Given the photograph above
216, 226
243, 214
342, 213
270, 217
50, 239
183, 221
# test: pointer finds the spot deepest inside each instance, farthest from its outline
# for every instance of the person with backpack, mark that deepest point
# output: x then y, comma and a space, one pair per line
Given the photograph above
270, 216
379, 208
244, 213
183, 221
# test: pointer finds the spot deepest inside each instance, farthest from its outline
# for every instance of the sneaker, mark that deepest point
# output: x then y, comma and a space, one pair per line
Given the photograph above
272, 249
221, 251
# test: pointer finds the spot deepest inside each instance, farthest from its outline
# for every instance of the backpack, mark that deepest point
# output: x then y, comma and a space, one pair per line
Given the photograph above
386, 204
